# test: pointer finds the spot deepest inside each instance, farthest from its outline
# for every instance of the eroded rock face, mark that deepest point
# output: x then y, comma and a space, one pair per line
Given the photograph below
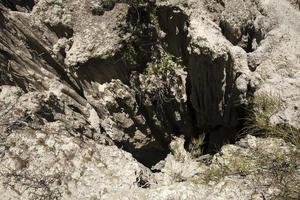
231, 174
80, 108
228, 50
279, 68
125, 123
50, 150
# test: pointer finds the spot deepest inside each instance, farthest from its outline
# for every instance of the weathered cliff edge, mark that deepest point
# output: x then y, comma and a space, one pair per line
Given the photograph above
95, 103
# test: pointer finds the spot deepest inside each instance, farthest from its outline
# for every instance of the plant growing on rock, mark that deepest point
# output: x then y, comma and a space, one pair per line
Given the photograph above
264, 107
165, 79
130, 54
195, 147
268, 163
160, 90
167, 63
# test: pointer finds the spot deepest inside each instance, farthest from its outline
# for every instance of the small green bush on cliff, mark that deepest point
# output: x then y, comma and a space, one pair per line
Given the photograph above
167, 63
130, 54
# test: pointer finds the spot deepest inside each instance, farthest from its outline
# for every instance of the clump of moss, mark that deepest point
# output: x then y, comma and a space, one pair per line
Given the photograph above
264, 106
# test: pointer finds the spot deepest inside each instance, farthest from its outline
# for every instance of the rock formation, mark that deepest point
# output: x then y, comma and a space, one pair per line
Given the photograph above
145, 99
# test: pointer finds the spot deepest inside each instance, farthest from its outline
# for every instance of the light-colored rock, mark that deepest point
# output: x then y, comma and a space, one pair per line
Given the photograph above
94, 36
51, 151
245, 170
75, 125
178, 166
121, 118
278, 61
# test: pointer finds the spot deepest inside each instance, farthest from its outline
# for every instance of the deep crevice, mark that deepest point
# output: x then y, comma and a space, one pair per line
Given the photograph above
21, 5
147, 155
204, 84
203, 114
61, 30
249, 36
174, 23
38, 50
219, 128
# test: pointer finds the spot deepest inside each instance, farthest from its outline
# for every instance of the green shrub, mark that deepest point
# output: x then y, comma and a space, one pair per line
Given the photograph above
167, 63
130, 54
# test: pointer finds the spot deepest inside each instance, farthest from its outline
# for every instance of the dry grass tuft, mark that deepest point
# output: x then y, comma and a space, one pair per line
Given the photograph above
259, 121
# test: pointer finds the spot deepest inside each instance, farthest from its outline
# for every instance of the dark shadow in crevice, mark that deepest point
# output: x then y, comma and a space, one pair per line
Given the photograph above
151, 153
249, 36
2, 22
61, 31
9, 4
39, 50
104, 70
144, 36
215, 109
15, 5
103, 7
174, 22
147, 155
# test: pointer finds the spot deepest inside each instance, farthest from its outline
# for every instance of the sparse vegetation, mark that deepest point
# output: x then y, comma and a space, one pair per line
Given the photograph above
157, 80
130, 54
195, 147
38, 186
163, 74
264, 106
166, 64
277, 169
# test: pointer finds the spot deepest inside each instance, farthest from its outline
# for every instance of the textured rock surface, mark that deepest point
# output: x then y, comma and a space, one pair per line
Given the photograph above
226, 178
278, 62
96, 104
50, 150
235, 48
